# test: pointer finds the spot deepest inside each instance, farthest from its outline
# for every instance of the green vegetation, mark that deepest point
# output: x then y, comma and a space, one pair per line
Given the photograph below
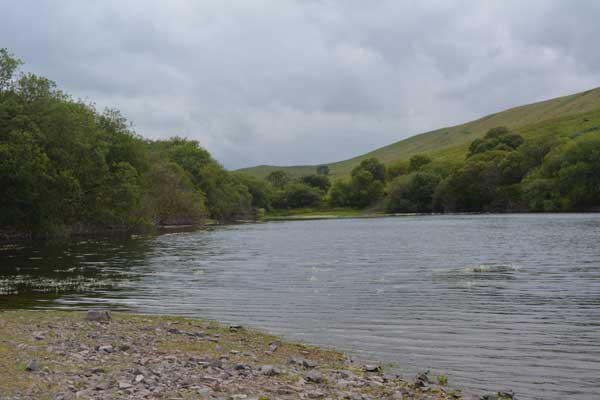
498, 173
552, 118
66, 167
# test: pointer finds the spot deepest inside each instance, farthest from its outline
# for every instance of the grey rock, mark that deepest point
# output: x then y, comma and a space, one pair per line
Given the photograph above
269, 370
125, 385
106, 348
98, 315
39, 335
372, 368
314, 376
32, 366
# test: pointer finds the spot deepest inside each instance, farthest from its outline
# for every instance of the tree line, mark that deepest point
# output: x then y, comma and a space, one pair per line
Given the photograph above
501, 172
64, 166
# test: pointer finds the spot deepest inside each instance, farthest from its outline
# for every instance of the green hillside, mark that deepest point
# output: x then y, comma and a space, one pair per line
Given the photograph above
555, 117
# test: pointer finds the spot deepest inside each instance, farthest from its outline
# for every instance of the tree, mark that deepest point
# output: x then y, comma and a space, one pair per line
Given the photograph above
323, 170
320, 182
417, 162
279, 179
413, 193
373, 166
260, 190
339, 194
499, 138
299, 195
8, 66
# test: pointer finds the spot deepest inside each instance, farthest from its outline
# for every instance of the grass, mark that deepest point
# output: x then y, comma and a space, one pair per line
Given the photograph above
560, 116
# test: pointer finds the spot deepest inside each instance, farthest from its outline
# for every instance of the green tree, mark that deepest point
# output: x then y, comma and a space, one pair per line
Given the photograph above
8, 67
417, 162
373, 166
300, 195
320, 182
412, 193
279, 179
323, 170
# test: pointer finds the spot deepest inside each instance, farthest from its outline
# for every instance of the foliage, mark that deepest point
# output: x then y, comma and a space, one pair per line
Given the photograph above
417, 161
412, 193
279, 179
323, 170
373, 166
299, 195
63, 163
320, 182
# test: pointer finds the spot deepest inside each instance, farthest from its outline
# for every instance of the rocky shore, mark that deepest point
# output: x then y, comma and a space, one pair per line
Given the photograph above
97, 355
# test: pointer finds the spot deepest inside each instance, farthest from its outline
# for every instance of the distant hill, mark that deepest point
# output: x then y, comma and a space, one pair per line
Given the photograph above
560, 116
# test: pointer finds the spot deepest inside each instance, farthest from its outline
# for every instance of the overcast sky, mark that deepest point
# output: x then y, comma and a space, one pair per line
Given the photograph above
307, 81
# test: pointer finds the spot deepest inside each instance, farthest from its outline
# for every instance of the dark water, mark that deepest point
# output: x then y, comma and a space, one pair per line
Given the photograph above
495, 302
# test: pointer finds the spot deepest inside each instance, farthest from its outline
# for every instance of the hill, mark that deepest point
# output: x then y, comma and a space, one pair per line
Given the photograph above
555, 117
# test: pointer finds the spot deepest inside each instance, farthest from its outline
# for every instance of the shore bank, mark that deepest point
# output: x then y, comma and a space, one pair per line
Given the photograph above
65, 355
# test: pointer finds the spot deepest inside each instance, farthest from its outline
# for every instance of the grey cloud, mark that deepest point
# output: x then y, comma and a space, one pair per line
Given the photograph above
290, 82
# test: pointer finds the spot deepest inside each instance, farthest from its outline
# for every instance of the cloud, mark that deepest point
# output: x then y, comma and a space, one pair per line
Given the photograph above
294, 82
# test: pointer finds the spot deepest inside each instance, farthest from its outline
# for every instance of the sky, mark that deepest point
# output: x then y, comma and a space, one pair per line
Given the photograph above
309, 81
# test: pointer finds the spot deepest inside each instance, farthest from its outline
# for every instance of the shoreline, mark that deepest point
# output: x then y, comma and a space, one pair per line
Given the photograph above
64, 355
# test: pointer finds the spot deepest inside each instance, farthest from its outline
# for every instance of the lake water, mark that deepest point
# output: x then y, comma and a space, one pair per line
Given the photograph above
493, 301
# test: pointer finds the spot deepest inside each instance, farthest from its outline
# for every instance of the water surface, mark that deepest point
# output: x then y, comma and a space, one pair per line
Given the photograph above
496, 302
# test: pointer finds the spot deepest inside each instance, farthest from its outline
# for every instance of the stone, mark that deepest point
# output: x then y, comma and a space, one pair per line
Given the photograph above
314, 376
124, 347
269, 370
139, 378
98, 315
125, 385
372, 368
106, 348
39, 335
32, 366
235, 328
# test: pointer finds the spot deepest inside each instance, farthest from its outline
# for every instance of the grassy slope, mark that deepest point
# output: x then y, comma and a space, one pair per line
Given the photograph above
560, 116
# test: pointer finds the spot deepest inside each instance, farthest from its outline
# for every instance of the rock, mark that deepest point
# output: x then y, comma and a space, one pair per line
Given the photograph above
314, 376
235, 328
302, 362
32, 366
274, 346
139, 378
125, 385
372, 368
269, 370
98, 315
422, 379
39, 335
174, 331
240, 366
315, 394
98, 370
124, 347
106, 348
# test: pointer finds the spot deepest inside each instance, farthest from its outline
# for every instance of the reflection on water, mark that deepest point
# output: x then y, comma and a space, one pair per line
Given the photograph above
495, 302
